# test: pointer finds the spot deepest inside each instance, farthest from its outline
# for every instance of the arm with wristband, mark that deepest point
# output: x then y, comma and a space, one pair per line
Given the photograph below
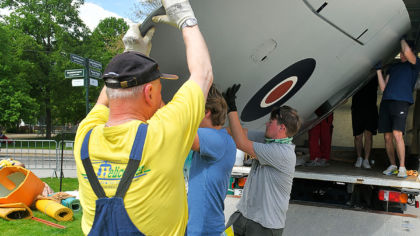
180, 14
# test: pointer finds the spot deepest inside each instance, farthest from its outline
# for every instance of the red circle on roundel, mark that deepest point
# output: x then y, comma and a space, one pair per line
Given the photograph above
279, 91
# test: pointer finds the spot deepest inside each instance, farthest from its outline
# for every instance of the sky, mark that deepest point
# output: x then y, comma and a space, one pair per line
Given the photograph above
94, 11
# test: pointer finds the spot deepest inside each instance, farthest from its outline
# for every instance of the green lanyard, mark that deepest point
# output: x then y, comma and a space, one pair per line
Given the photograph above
281, 140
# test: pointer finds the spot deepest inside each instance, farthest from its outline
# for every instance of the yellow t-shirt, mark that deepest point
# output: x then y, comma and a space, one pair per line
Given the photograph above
156, 199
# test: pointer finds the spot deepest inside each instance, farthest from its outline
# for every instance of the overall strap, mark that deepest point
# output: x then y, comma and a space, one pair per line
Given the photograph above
93, 179
130, 170
133, 162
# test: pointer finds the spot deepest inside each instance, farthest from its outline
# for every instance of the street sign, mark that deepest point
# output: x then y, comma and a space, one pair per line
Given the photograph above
77, 59
77, 82
94, 82
95, 74
75, 73
95, 64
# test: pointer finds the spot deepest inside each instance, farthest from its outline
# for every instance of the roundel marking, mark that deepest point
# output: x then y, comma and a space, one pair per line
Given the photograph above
278, 90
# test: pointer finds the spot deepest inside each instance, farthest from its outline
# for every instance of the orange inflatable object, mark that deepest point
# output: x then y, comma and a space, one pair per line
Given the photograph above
18, 184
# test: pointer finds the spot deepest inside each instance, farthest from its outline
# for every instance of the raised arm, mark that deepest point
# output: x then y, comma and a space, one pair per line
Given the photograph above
180, 14
408, 53
237, 132
198, 58
103, 98
381, 81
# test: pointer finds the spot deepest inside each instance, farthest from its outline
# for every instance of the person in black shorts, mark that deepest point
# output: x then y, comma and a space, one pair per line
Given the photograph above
364, 117
397, 89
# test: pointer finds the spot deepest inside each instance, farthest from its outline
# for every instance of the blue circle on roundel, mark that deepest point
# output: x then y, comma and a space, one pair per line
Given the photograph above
301, 70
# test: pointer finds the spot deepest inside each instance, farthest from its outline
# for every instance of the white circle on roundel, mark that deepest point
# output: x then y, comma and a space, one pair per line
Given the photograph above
278, 92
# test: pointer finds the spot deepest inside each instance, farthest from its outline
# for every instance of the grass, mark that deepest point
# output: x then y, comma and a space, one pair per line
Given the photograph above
34, 228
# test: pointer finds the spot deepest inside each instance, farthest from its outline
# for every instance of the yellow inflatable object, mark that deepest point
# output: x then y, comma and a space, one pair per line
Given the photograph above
15, 211
54, 210
10, 162
18, 184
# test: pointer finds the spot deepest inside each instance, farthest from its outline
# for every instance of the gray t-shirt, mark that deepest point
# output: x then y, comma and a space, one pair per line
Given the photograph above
266, 194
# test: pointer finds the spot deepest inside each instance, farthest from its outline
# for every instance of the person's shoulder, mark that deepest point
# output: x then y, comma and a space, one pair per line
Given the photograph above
191, 87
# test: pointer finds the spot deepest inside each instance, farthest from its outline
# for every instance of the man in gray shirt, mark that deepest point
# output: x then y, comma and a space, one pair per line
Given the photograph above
264, 203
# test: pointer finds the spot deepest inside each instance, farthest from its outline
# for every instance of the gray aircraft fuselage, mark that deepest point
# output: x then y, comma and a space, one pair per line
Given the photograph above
309, 54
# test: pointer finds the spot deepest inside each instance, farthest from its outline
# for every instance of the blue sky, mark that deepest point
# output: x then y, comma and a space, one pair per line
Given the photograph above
93, 11
123, 8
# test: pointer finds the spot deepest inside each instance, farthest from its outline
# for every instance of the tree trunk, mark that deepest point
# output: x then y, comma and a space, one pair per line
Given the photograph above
48, 113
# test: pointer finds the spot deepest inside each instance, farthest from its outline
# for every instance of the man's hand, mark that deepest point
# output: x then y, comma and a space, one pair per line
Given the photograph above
177, 12
133, 41
230, 97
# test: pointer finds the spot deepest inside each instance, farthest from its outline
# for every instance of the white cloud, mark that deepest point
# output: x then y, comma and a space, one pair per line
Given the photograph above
92, 14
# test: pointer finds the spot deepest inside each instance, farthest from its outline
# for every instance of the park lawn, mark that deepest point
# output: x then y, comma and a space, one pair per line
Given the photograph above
34, 228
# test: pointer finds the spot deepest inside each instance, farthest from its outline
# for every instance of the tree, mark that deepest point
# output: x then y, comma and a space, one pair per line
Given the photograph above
104, 43
144, 7
16, 103
55, 26
108, 35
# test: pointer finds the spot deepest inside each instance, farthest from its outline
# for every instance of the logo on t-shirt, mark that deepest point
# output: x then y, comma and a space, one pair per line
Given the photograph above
109, 172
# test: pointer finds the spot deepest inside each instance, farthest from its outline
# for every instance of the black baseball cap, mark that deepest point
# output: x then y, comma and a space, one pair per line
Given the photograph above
131, 69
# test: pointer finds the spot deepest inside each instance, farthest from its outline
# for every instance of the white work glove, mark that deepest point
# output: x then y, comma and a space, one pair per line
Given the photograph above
133, 41
177, 12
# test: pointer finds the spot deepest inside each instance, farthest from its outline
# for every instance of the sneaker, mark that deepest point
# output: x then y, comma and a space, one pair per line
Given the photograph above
366, 164
402, 172
314, 162
390, 170
323, 162
359, 162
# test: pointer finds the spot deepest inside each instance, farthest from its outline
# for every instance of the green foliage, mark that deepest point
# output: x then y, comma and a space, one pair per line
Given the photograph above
16, 102
36, 40
50, 24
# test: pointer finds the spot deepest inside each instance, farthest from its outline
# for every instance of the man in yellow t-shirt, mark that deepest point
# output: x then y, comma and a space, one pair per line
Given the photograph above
156, 199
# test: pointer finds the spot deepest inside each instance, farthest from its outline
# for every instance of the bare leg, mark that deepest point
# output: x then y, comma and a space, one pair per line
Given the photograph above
399, 140
389, 146
358, 144
368, 143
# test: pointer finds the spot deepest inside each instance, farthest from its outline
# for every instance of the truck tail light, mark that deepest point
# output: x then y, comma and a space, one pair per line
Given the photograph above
392, 196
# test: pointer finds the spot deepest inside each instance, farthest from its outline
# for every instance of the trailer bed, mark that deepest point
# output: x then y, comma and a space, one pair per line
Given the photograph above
345, 172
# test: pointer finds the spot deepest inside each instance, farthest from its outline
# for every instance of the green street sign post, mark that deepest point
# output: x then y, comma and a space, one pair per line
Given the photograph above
75, 73
95, 74
85, 73
77, 59
95, 64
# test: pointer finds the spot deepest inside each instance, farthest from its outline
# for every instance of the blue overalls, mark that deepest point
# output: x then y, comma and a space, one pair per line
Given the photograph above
111, 218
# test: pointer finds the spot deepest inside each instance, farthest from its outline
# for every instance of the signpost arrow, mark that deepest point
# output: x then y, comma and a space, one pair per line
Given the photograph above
77, 59
95, 74
88, 65
75, 73
95, 64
